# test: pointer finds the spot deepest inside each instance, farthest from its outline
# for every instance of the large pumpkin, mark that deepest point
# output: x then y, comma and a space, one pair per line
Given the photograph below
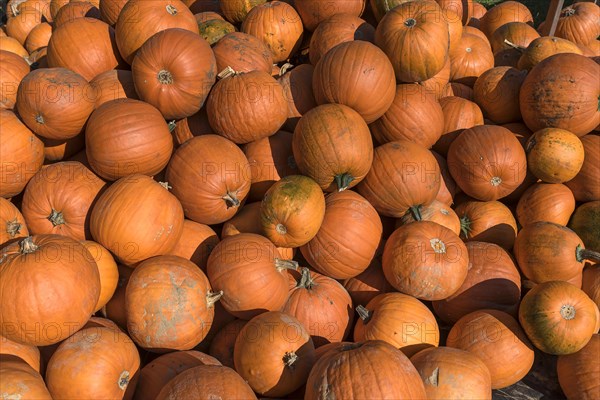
348, 237
297, 88
541, 48
274, 353
579, 23
562, 92
552, 202
174, 71
558, 317
112, 85
554, 155
586, 223
196, 243
20, 380
332, 144
224, 173
140, 19
367, 85
14, 69
579, 373
469, 59
55, 102
416, 40
496, 91
313, 12
134, 230
12, 222
43, 277
125, 137
243, 53
487, 221
503, 13
586, 184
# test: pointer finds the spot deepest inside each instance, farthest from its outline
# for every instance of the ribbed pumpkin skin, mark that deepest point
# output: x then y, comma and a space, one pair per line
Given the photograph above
223, 171
437, 212
20, 380
196, 243
469, 59
541, 48
111, 360
416, 40
459, 114
243, 53
125, 137
336, 29
403, 175
368, 284
22, 154
55, 102
425, 260
84, 45
586, 185
174, 71
136, 218
558, 317
187, 128
278, 25
440, 368
586, 223
59, 198
438, 85
235, 11
107, 269
331, 142
551, 202
18, 27
110, 10
554, 155
413, 104
487, 221
496, 91
370, 94
562, 92
348, 237
496, 338
493, 281
58, 262
579, 373
247, 107
73, 10
140, 19
297, 88
462, 8
27, 353
579, 23
313, 12
14, 69
509, 11
112, 85
12, 222
517, 33
11, 44
264, 283
213, 30
381, 372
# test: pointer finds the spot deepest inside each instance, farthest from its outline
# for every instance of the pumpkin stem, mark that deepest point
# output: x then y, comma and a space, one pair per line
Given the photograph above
56, 217
363, 313
465, 226
281, 229
585, 254
13, 228
343, 181
415, 211
171, 9
212, 298
289, 358
123, 380
306, 281
434, 378
165, 77
14, 9
286, 264
39, 119
226, 73
165, 185
496, 181
231, 200
172, 125
567, 311
410, 22
26, 246
285, 68
514, 46
568, 12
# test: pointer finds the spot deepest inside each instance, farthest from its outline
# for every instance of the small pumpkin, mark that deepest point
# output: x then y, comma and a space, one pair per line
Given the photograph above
541, 48
487, 221
552, 202
38, 37
107, 269
503, 13
112, 85
554, 155
459, 114
243, 53
12, 223
496, 91
585, 222
469, 59
586, 184
579, 373
511, 35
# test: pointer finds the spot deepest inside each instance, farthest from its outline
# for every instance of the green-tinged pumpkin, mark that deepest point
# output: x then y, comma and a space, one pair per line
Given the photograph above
554, 155
586, 223
586, 184
579, 373
487, 221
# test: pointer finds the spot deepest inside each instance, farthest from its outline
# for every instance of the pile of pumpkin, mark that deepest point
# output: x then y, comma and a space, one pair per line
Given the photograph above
305, 199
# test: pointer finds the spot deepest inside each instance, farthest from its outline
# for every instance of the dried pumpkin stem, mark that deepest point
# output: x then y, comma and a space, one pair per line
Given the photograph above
415, 211
171, 9
56, 217
14, 9
13, 228
514, 46
26, 246
212, 298
165, 77
363, 313
567, 311
123, 380
289, 359
343, 181
231, 200
286, 264
585, 254
306, 281
165, 185
285, 68
172, 125
226, 73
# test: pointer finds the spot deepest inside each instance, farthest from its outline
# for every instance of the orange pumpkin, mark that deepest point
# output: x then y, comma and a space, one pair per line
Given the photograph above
110, 10
368, 284
12, 45
14, 69
243, 53
196, 243
20, 380
503, 13
74, 10
579, 373
554, 155
235, 11
13, 222
469, 59
22, 23
27, 353
439, 85
541, 48
552, 202
313, 12
112, 85
114, 309
107, 269
513, 35
437, 212
297, 88
586, 184
448, 188
487, 221
38, 37
187, 128
579, 23
496, 91
459, 114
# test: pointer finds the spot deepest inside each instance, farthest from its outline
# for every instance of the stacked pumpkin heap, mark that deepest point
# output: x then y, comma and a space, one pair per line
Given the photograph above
309, 199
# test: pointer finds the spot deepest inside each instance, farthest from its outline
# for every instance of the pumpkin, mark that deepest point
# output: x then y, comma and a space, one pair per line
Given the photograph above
585, 222
157, 373
19, 380
224, 172
586, 184
59, 150
270, 159
235, 11
112, 85
487, 162
496, 91
551, 202
38, 58
14, 69
140, 19
20, 25
56, 5
425, 260
541, 48
31, 266
125, 137
38, 37
437, 212
75, 10
222, 345
503, 13
196, 243
12, 45
579, 373
12, 222
243, 53
591, 282
107, 269
547, 251
59, 198
507, 58
415, 39
205, 16
403, 175
110, 10
338, 28
495, 338
213, 30
493, 282
111, 360
455, 26
448, 188
554, 155
114, 309
332, 144
54, 102
174, 71
487, 221
207, 381
558, 317
297, 89
321, 305
459, 114
274, 354
368, 284
412, 105
579, 23
187, 128
439, 85
378, 371
287, 229
398, 319
265, 284
313, 12
439, 368
14, 7
369, 93
150, 226
469, 59
513, 35
562, 92
27, 353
